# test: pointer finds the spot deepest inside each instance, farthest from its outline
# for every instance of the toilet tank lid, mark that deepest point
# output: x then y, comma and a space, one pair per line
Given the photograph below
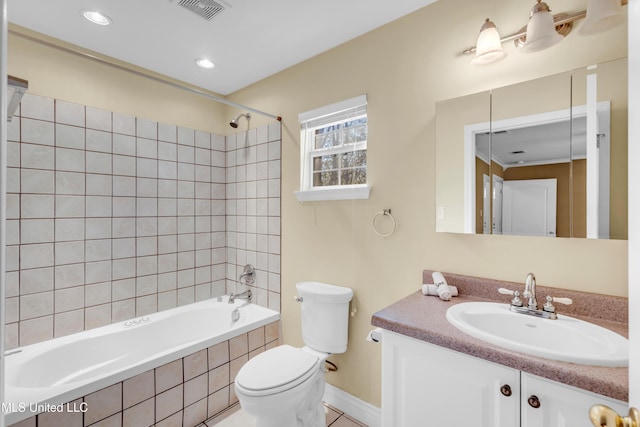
324, 292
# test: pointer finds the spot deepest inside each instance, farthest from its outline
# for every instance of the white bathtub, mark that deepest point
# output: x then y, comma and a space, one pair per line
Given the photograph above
63, 369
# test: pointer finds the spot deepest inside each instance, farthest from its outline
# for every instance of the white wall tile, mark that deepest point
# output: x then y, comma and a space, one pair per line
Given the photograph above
36, 330
37, 132
70, 160
124, 248
67, 276
37, 156
36, 305
70, 206
98, 293
69, 113
124, 144
98, 119
99, 185
70, 136
98, 228
124, 124
70, 183
167, 151
98, 141
13, 154
186, 136
167, 169
13, 129
99, 162
36, 107
69, 229
69, 252
148, 187
36, 231
147, 168
97, 250
167, 132
147, 148
13, 181
124, 165
68, 322
37, 181
123, 289
96, 272
124, 186
69, 299
123, 227
36, 280
98, 206
124, 206
146, 128
36, 255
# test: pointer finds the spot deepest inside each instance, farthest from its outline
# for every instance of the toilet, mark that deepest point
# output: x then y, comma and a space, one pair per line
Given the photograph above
283, 387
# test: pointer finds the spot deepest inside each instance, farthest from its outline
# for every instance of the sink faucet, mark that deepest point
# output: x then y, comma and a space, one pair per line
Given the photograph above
548, 310
243, 295
530, 291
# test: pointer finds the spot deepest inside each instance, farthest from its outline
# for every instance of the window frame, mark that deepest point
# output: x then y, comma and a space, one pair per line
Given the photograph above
326, 116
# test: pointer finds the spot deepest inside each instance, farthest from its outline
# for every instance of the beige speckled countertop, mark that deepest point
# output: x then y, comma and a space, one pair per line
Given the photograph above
423, 317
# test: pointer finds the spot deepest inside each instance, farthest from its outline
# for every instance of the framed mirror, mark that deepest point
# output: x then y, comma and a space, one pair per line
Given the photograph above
545, 157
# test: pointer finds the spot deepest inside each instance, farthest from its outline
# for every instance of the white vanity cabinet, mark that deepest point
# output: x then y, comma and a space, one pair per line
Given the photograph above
426, 385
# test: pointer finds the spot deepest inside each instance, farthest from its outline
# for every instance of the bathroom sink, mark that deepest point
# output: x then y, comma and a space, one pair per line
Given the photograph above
566, 339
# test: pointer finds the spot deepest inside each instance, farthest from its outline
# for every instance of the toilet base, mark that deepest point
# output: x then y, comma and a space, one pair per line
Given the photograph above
309, 412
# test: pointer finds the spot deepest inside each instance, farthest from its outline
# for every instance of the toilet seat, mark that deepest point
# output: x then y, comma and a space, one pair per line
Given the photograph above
276, 370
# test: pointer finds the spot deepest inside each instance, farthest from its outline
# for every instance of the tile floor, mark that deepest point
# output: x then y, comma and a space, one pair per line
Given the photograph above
236, 417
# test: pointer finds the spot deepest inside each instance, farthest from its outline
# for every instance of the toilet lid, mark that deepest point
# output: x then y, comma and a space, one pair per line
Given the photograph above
278, 369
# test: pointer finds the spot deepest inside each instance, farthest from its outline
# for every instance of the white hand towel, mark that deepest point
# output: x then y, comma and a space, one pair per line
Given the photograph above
441, 286
431, 290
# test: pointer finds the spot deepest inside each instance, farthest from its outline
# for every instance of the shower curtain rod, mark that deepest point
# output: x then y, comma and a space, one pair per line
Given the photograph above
141, 74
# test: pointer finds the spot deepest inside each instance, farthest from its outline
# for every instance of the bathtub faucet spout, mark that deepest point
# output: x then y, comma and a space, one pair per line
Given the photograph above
243, 295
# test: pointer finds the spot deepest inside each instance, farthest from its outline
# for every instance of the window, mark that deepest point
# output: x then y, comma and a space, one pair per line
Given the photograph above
333, 164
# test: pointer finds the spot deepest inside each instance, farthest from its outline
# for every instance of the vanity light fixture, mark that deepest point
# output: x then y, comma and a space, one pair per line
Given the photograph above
96, 17
601, 16
488, 48
205, 63
539, 33
541, 29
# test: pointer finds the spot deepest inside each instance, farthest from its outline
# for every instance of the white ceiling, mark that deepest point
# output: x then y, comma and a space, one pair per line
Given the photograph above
248, 41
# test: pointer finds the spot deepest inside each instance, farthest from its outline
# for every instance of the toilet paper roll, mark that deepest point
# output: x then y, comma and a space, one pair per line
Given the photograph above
375, 335
431, 290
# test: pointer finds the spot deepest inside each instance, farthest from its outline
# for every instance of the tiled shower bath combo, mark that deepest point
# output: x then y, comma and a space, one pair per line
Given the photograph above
112, 217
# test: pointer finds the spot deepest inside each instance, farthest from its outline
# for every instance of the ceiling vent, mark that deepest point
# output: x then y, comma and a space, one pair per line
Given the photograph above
206, 9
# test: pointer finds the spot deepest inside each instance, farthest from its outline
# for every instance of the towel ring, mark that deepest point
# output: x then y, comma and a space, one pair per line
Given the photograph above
385, 212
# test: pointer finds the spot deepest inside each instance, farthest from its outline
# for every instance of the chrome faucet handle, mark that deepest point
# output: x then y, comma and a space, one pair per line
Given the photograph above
549, 307
516, 301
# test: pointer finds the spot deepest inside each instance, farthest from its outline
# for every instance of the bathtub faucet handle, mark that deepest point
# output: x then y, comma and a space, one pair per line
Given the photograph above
297, 298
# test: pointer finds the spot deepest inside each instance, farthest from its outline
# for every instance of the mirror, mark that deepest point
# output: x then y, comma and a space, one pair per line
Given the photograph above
546, 157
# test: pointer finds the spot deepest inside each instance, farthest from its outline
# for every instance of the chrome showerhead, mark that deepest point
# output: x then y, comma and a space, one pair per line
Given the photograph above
234, 123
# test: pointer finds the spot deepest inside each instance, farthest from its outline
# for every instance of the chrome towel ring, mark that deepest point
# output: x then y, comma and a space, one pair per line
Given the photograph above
383, 213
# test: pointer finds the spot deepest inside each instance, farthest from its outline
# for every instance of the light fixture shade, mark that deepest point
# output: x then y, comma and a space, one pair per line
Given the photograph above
541, 30
489, 47
601, 16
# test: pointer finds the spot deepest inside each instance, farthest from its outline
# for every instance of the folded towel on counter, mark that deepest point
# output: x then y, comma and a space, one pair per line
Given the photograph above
429, 289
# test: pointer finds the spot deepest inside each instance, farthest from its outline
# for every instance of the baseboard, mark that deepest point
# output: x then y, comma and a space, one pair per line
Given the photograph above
352, 406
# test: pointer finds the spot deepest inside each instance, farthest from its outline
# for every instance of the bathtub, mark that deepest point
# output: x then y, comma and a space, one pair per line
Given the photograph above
54, 372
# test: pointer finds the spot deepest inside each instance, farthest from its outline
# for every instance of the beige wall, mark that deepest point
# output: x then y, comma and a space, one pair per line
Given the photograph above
405, 68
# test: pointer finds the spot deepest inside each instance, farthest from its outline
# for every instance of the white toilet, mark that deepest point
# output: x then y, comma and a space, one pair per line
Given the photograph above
283, 387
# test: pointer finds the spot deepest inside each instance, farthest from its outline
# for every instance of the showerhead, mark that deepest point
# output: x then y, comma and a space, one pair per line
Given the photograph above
234, 123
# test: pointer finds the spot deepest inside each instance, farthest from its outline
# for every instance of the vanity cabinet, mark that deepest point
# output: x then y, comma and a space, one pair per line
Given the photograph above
427, 385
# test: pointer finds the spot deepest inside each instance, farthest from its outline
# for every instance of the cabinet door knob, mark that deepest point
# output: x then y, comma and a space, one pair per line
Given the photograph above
533, 401
506, 390
603, 416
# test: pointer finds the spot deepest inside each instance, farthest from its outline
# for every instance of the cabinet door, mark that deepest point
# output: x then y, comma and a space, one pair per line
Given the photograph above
425, 385
560, 405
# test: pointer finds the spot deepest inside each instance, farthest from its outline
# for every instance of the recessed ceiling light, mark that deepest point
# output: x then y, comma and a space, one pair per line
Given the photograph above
96, 17
204, 63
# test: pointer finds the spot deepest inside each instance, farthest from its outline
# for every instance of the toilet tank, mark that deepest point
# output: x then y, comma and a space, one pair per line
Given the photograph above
325, 316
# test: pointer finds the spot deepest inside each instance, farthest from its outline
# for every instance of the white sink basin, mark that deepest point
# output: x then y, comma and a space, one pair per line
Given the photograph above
566, 339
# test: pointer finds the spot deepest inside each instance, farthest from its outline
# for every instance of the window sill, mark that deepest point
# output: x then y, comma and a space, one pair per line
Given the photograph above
342, 193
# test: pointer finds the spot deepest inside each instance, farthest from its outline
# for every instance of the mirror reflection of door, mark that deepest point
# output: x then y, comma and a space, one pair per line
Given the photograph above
529, 207
486, 204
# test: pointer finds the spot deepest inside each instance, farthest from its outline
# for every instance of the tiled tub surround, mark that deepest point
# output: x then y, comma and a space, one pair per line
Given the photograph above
423, 318
183, 385
112, 217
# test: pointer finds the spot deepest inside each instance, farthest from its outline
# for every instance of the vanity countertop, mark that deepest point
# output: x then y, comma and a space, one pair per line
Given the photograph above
423, 317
